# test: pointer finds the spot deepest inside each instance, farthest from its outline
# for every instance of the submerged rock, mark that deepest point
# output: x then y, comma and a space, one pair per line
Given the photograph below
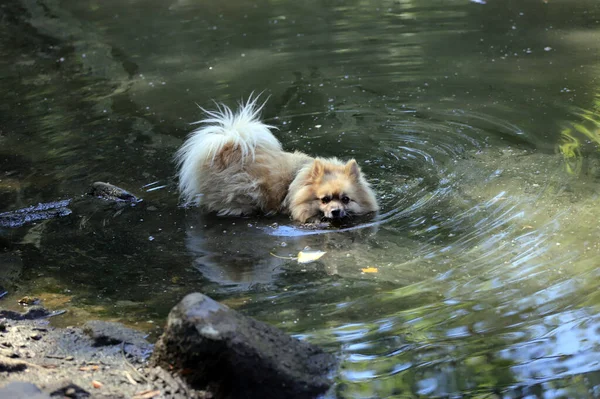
207, 343
33, 313
35, 213
110, 192
55, 209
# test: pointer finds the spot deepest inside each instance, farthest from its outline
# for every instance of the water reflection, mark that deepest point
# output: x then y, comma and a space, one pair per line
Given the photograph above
477, 122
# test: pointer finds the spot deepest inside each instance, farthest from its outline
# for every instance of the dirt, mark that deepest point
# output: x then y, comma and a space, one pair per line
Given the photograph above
100, 360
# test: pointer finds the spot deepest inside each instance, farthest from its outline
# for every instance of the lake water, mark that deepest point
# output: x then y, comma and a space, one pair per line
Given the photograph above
478, 123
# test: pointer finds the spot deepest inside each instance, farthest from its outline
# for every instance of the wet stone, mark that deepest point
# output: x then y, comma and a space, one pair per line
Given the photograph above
33, 312
209, 344
69, 390
34, 213
110, 192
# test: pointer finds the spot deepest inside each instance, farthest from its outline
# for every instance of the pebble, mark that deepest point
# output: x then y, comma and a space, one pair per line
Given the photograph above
35, 336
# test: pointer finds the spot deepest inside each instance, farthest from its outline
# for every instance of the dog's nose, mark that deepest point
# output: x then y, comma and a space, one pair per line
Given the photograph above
336, 213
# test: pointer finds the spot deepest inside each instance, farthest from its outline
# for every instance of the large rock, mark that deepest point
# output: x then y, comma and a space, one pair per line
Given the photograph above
209, 344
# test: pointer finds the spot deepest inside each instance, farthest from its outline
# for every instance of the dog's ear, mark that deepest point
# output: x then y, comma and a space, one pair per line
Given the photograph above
317, 171
352, 170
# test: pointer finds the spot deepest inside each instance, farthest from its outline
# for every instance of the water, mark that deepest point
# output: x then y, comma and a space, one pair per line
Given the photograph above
477, 123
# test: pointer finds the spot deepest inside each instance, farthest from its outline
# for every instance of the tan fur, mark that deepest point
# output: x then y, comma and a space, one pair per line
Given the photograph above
333, 179
237, 167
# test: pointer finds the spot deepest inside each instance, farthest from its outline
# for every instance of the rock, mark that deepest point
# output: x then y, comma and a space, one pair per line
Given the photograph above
35, 336
55, 209
34, 213
106, 333
22, 390
67, 389
110, 192
209, 344
34, 312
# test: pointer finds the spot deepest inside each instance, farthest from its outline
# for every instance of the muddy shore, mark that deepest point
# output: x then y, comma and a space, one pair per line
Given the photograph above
99, 360
207, 350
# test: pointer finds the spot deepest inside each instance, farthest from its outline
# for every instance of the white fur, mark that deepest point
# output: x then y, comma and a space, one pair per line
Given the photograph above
221, 127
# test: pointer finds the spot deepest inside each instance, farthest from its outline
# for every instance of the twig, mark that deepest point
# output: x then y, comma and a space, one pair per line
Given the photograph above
130, 378
127, 362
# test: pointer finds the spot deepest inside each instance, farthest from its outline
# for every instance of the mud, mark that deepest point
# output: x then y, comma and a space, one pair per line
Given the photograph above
100, 360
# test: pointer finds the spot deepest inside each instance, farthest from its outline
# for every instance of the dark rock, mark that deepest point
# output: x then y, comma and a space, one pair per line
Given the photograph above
34, 312
22, 390
34, 213
35, 336
69, 390
209, 344
112, 193
10, 365
106, 333
55, 209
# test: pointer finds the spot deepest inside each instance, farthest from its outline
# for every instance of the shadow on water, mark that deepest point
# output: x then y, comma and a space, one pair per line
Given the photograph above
476, 122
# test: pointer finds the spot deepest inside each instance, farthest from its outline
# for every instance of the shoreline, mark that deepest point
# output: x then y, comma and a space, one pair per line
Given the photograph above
99, 360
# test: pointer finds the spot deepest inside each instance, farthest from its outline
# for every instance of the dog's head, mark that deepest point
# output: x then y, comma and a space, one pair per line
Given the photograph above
334, 190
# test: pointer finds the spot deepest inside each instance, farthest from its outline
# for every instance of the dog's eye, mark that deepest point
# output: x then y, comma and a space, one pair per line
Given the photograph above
326, 199
345, 199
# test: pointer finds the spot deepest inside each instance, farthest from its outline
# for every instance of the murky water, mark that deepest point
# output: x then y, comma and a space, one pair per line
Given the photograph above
478, 124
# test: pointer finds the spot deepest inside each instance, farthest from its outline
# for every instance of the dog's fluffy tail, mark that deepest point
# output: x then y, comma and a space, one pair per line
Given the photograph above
242, 131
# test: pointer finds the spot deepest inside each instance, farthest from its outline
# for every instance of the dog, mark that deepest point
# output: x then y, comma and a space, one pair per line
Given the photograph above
234, 165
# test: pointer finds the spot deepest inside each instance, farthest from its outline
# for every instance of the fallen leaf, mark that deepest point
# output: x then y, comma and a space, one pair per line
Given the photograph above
97, 384
369, 270
309, 256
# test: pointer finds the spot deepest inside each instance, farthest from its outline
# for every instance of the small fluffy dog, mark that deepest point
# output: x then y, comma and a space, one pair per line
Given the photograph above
235, 166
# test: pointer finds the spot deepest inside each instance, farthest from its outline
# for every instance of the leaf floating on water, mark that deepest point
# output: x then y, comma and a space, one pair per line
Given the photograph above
309, 256
305, 256
369, 270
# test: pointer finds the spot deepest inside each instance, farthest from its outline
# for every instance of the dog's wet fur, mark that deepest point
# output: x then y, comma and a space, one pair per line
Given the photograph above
234, 165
